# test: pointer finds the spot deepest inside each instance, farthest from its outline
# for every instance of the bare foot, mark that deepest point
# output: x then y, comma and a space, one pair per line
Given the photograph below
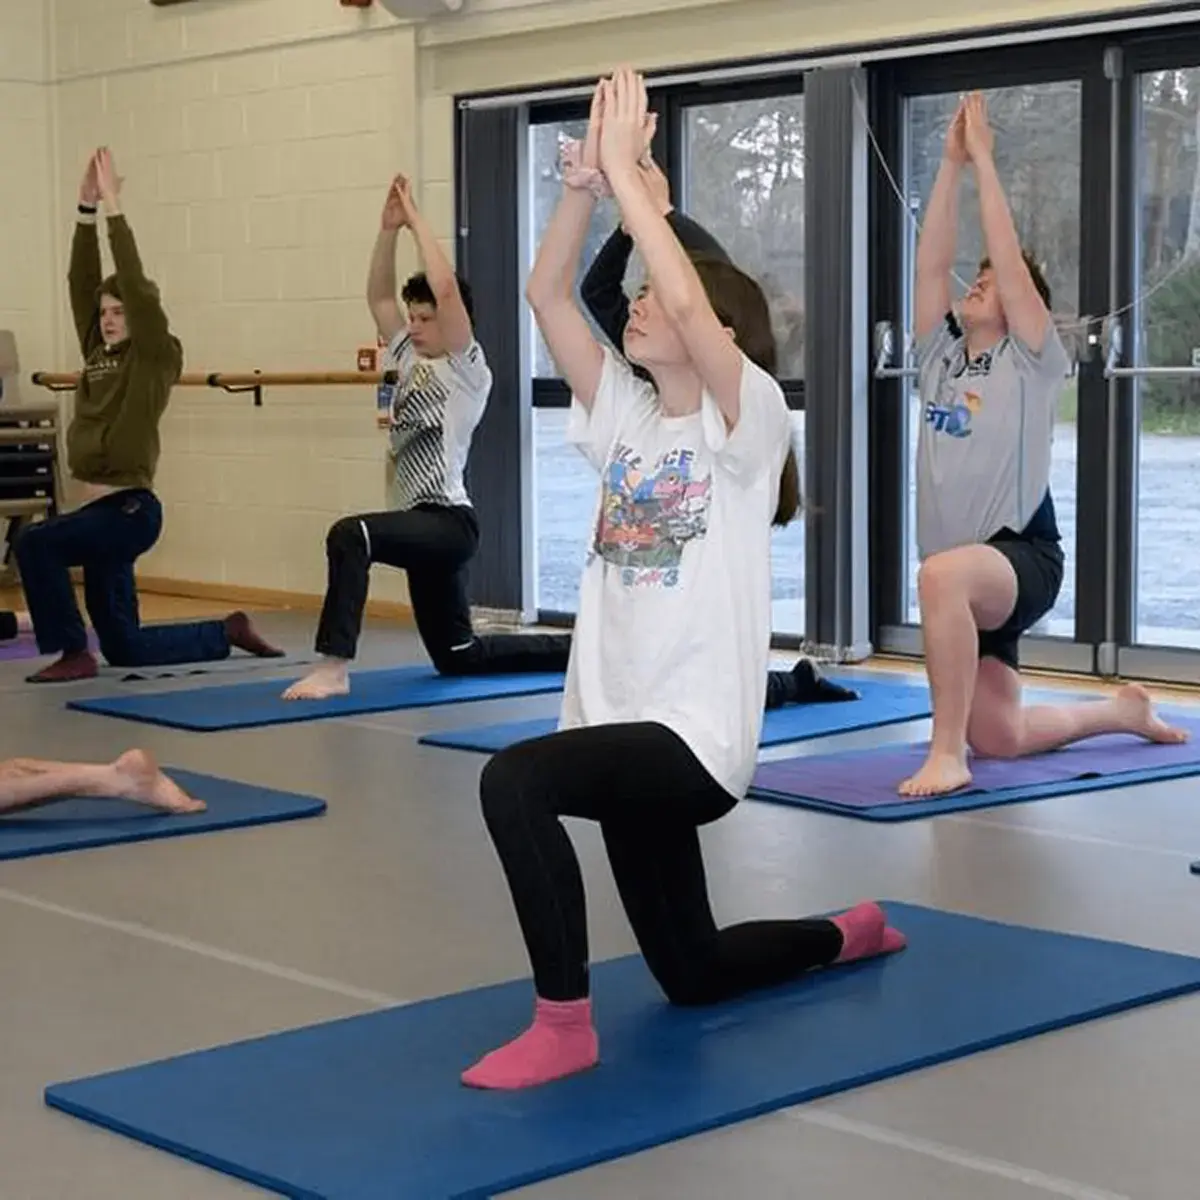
242, 635
327, 679
940, 774
141, 780
1135, 710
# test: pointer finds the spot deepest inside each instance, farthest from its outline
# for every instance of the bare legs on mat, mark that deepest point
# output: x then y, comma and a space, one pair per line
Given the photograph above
977, 701
135, 776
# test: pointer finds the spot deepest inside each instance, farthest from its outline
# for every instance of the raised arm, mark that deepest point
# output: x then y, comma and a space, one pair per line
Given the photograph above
146, 321
939, 234
1024, 310
85, 274
381, 277
550, 288
718, 359
453, 320
603, 288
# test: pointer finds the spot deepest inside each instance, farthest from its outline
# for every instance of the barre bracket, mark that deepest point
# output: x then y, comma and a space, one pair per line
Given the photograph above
214, 381
885, 350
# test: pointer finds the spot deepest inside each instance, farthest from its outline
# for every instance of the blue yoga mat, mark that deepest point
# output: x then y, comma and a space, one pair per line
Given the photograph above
251, 705
862, 783
371, 1106
84, 824
878, 704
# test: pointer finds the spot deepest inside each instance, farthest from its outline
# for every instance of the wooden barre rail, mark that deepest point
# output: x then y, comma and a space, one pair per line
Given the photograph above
241, 381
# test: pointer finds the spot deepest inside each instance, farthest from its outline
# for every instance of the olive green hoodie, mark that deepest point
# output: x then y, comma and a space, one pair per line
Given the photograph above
123, 390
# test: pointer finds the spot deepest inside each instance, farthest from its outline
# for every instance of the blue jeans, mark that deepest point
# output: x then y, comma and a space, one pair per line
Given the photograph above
105, 538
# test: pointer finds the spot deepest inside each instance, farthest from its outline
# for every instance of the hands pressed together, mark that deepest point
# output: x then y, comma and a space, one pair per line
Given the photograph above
101, 182
620, 131
970, 137
400, 209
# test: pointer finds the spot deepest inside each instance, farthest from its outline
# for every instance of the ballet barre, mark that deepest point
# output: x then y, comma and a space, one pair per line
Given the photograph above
239, 382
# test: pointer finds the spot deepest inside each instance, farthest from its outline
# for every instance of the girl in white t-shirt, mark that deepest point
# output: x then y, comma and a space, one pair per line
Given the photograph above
664, 695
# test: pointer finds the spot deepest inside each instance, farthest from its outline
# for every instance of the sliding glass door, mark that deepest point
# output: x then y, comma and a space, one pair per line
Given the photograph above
1040, 105
1159, 363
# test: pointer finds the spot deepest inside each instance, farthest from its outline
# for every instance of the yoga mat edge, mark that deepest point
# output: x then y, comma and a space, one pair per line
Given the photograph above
970, 801
215, 707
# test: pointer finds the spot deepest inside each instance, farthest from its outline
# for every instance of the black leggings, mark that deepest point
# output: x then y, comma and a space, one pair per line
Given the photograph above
650, 795
434, 545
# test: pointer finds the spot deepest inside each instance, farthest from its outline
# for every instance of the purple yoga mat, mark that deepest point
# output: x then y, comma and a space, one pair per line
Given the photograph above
868, 779
24, 646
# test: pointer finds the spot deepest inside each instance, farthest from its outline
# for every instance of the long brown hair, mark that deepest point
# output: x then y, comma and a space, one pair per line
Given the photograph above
740, 304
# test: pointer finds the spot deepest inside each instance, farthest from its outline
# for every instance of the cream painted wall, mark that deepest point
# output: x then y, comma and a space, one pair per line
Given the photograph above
25, 191
257, 138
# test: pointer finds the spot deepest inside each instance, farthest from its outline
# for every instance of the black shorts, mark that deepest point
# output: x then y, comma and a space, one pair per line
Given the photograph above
1038, 564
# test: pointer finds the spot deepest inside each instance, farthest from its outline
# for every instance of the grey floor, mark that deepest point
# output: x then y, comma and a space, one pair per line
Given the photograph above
122, 955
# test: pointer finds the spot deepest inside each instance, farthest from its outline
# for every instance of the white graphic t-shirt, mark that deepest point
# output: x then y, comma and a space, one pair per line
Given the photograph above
436, 406
674, 621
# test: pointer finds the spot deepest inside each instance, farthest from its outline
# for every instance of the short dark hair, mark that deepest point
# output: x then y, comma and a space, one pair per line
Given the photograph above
417, 291
1035, 273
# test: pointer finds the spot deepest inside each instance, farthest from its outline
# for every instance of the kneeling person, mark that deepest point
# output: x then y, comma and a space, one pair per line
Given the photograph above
991, 555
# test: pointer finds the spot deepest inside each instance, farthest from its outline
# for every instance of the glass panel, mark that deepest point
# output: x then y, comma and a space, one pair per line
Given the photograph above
787, 558
1037, 152
545, 189
1168, 335
744, 182
564, 503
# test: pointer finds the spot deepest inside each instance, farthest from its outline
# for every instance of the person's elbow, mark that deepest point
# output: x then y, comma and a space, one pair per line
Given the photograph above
445, 290
539, 294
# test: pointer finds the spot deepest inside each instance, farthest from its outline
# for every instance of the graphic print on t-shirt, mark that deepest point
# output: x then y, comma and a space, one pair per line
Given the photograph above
418, 415
954, 417
647, 517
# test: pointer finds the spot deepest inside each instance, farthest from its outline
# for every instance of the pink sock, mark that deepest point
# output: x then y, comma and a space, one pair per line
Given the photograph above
866, 933
561, 1041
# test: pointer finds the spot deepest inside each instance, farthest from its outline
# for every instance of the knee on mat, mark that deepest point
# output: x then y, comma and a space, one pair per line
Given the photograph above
688, 983
998, 740
118, 649
455, 662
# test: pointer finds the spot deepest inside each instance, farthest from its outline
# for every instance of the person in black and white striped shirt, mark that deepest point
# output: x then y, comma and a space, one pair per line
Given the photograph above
431, 531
